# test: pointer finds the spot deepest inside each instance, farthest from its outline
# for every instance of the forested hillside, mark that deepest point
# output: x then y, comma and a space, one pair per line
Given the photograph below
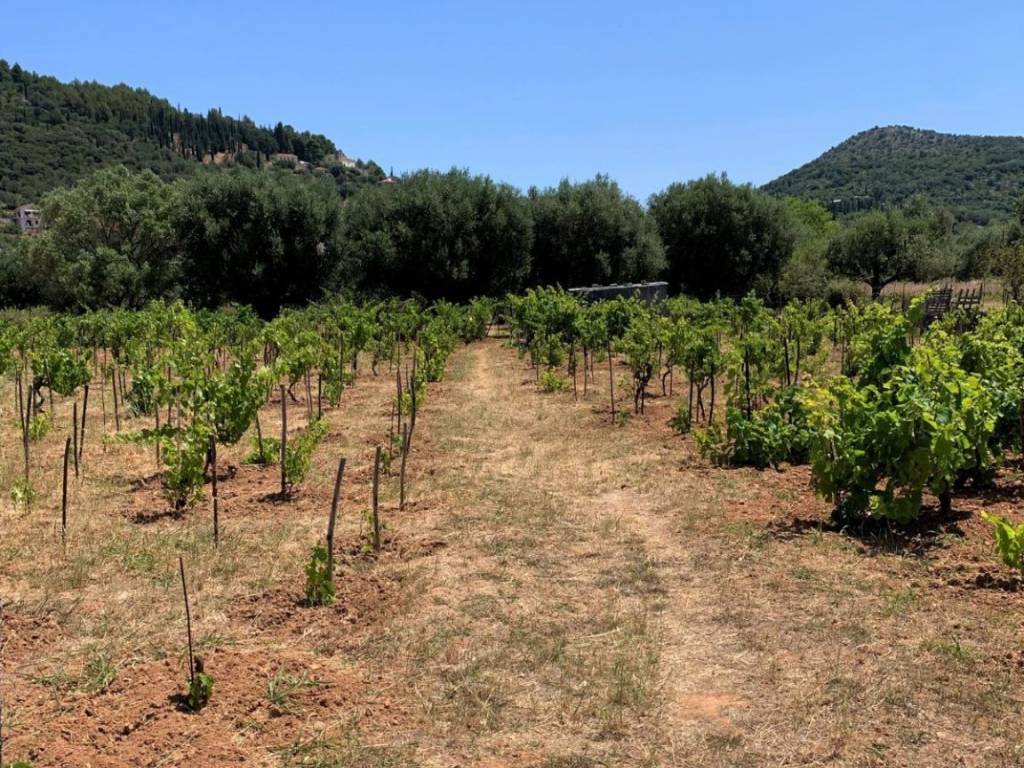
53, 133
980, 178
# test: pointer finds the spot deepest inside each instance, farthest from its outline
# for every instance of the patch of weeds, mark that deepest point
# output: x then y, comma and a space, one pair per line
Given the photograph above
756, 538
640, 574
499, 546
283, 685
817, 536
899, 602
916, 739
627, 671
58, 680
346, 751
214, 640
951, 650
432, 646
856, 633
78, 574
569, 761
482, 607
474, 694
843, 689
717, 740
803, 573
98, 673
542, 647
609, 526
22, 493
945, 539
226, 568
785, 494
139, 562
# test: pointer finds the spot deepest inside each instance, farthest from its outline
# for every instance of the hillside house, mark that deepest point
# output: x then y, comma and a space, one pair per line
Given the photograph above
27, 219
339, 158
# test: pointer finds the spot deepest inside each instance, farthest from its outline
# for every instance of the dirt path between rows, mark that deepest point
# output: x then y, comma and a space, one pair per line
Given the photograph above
578, 614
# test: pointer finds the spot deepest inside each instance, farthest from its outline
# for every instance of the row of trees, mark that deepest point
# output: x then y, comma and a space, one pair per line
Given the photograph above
275, 238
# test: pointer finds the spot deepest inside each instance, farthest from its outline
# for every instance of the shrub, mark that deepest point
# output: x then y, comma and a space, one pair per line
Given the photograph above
22, 492
1009, 541
271, 451
185, 459
299, 452
39, 426
775, 433
550, 381
319, 579
772, 434
713, 445
200, 688
876, 448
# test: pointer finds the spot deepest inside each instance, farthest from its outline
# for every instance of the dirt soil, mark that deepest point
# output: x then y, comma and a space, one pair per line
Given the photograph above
559, 592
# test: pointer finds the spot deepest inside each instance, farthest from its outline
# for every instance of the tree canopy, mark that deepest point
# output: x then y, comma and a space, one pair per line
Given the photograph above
592, 233
722, 238
443, 235
255, 238
109, 240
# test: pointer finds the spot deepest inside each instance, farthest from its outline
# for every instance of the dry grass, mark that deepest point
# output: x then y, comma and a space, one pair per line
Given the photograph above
559, 593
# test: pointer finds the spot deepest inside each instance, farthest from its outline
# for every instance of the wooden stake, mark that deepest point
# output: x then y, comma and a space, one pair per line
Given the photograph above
585, 377
309, 399
411, 384
216, 510
398, 393
64, 496
284, 438
117, 410
81, 429
103, 395
334, 514
611, 380
572, 364
188, 622
376, 499
26, 427
74, 433
19, 401
259, 442
401, 471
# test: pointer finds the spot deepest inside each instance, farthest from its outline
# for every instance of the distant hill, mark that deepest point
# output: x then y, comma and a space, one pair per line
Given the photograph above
53, 133
979, 177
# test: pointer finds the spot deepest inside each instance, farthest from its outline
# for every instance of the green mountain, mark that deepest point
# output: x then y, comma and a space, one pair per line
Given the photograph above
53, 133
979, 178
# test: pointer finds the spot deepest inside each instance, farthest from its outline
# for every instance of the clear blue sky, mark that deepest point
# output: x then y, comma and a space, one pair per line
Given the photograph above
530, 92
